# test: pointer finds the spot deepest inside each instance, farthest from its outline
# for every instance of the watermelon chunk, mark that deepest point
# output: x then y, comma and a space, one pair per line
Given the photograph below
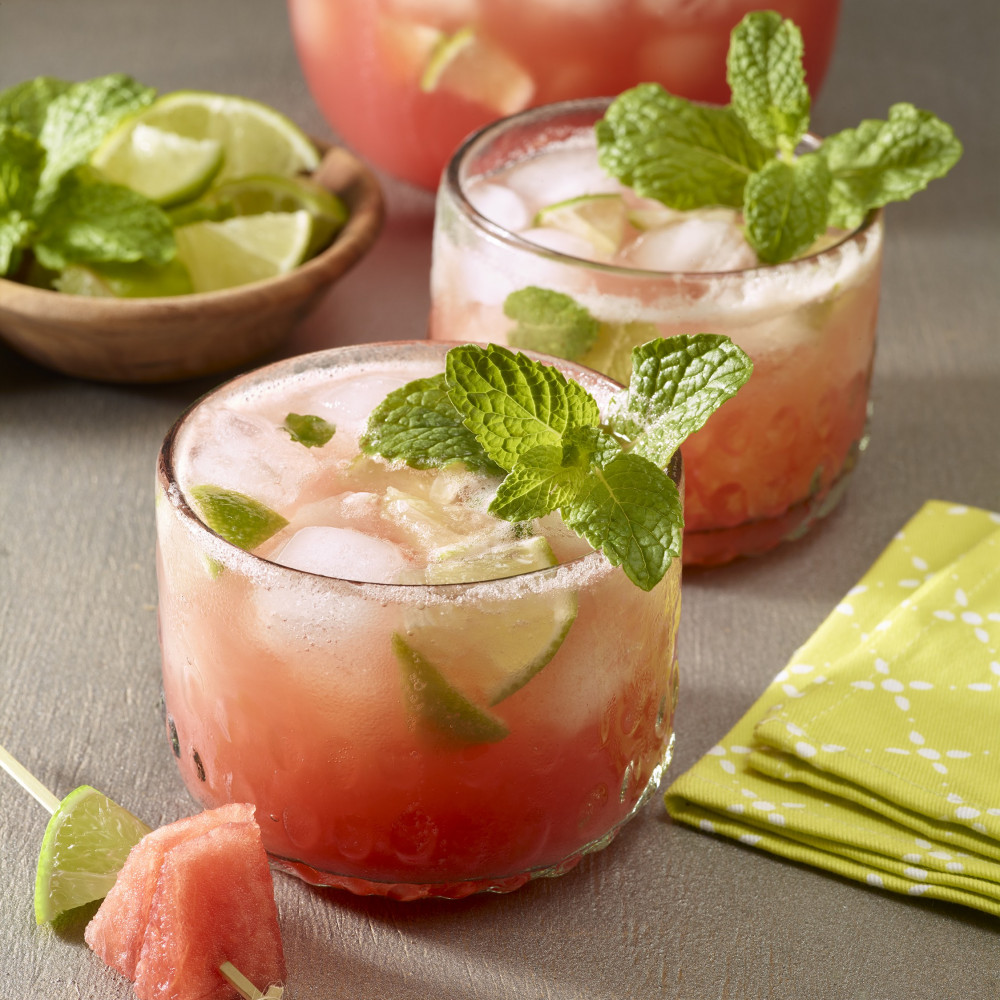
199, 894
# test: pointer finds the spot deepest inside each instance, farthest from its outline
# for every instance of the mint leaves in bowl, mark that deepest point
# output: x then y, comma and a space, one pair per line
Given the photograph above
149, 237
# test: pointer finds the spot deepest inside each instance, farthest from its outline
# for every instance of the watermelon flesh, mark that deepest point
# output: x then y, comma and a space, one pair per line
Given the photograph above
192, 895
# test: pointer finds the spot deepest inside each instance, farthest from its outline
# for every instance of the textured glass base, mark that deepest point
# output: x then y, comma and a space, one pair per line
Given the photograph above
458, 889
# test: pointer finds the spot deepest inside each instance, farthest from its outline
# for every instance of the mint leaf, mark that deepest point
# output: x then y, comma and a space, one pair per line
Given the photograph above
767, 80
786, 206
21, 160
631, 510
685, 155
79, 118
676, 385
24, 105
308, 429
549, 322
101, 222
420, 425
512, 403
883, 161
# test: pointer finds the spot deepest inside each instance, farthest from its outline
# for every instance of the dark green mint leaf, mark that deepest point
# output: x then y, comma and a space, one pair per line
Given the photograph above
24, 105
767, 81
420, 425
79, 118
676, 385
883, 161
309, 430
100, 223
21, 160
512, 403
631, 510
549, 322
786, 206
686, 155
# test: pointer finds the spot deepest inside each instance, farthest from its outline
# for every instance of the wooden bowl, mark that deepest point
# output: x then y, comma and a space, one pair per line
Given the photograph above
165, 339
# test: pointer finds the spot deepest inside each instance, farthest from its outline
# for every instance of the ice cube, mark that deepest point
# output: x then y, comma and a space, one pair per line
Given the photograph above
344, 554
246, 452
571, 244
348, 403
695, 244
559, 175
500, 205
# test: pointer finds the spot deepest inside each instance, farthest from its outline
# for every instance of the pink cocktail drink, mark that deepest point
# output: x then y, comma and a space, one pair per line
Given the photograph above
406, 722
404, 81
771, 460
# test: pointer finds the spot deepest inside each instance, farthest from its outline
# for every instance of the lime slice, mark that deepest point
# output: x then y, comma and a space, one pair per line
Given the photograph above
269, 193
244, 249
85, 845
164, 166
488, 649
254, 138
439, 704
126, 281
612, 351
478, 71
239, 519
599, 218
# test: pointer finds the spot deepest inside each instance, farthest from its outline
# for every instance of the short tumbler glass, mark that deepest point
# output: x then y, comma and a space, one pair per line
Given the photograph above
771, 460
283, 689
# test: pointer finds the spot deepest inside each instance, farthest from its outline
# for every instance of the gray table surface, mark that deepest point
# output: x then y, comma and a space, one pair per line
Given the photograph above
665, 912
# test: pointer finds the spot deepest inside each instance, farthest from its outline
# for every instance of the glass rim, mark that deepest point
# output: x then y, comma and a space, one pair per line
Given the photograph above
452, 183
166, 470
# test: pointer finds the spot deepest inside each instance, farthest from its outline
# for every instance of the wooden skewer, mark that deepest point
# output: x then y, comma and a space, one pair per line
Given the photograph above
28, 781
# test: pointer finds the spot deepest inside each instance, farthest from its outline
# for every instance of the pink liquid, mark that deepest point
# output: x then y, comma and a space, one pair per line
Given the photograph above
364, 61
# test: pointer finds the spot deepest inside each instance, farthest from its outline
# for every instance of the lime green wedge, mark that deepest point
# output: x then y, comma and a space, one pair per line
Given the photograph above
254, 138
490, 648
244, 249
125, 281
477, 70
269, 193
85, 845
601, 219
611, 352
239, 519
440, 704
164, 166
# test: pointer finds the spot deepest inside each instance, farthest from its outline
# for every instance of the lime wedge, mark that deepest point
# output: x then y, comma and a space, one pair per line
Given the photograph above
269, 193
488, 649
164, 166
479, 71
599, 218
254, 138
439, 704
611, 353
243, 249
85, 845
239, 519
125, 281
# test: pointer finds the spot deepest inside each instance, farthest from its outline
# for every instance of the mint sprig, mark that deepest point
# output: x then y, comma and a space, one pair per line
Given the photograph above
545, 435
744, 155
49, 201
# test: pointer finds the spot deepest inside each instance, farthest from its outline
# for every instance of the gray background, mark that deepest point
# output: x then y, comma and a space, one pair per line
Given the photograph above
665, 912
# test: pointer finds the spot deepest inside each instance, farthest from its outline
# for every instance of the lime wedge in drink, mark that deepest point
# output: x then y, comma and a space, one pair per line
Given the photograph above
611, 353
254, 138
491, 647
85, 845
441, 705
477, 70
239, 519
243, 249
269, 193
164, 166
599, 218
126, 281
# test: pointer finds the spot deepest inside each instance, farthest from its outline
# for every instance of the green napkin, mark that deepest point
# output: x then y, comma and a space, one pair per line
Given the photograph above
875, 753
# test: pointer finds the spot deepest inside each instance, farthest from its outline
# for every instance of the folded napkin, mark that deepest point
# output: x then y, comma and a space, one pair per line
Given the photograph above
875, 753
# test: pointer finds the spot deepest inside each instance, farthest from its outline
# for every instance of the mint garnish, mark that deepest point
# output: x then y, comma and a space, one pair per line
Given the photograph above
545, 432
549, 322
49, 201
308, 429
744, 156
